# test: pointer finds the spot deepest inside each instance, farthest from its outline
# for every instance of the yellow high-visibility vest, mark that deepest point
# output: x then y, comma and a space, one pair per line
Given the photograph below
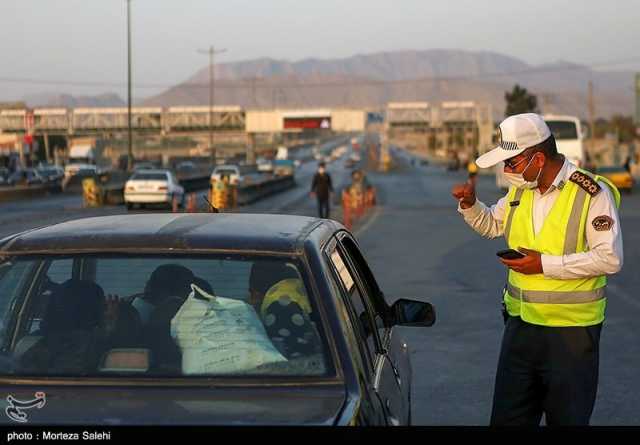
547, 301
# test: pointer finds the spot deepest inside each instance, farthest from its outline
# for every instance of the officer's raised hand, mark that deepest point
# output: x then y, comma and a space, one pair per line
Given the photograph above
465, 194
529, 265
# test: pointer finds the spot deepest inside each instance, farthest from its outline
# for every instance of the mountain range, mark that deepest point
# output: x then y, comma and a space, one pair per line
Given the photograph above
371, 80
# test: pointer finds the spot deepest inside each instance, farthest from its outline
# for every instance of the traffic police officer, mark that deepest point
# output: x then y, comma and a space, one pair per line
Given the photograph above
565, 222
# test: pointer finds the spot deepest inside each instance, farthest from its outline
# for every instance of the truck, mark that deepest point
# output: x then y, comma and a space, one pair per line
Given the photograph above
282, 165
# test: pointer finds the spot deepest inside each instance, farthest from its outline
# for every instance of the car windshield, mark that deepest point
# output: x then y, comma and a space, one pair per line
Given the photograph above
563, 130
148, 315
226, 171
149, 177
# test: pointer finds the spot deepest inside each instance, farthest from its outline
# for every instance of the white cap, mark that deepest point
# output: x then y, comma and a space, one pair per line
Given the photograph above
517, 133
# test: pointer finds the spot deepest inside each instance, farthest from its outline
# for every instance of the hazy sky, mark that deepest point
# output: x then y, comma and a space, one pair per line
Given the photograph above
85, 40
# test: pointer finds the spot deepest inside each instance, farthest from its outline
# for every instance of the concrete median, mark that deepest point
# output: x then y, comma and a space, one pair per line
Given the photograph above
248, 193
20, 192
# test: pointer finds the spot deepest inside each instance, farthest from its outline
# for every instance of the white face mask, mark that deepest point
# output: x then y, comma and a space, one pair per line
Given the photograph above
518, 181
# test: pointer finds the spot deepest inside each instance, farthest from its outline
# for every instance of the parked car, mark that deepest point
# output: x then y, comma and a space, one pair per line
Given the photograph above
349, 163
620, 177
186, 168
51, 173
27, 176
152, 187
5, 177
222, 319
75, 168
264, 165
234, 172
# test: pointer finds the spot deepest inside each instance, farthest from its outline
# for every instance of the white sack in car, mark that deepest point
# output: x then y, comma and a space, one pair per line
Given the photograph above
220, 336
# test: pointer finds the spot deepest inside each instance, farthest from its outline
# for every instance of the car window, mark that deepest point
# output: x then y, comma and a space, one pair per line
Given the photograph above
348, 320
370, 288
354, 299
13, 279
60, 270
147, 316
149, 176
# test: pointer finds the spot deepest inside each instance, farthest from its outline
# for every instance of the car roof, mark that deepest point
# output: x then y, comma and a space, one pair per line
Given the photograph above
174, 232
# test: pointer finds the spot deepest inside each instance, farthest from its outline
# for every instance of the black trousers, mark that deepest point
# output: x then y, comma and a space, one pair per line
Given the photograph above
546, 370
323, 207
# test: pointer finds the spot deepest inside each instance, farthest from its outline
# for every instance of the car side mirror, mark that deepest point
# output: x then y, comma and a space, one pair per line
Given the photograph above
413, 313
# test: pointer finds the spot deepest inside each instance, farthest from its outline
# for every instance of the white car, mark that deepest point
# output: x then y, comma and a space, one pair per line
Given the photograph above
232, 171
73, 169
264, 165
152, 187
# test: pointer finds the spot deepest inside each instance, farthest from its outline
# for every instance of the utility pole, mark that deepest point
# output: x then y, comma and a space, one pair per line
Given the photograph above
592, 112
130, 146
212, 52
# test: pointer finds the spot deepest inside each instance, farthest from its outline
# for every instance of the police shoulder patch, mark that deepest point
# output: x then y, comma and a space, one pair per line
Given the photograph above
586, 182
602, 223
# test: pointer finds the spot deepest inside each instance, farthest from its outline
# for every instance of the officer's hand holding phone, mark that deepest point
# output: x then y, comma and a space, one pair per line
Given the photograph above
529, 262
465, 194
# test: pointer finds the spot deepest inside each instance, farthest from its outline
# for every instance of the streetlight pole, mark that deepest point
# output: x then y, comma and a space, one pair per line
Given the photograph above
211, 51
130, 152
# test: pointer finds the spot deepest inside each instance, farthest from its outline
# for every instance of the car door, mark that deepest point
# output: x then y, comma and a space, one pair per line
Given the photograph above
394, 353
389, 384
370, 409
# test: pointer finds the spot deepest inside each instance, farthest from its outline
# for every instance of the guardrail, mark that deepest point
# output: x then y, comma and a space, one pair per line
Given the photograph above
20, 192
248, 193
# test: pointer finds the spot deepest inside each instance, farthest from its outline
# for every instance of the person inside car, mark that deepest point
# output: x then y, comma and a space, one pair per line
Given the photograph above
165, 292
278, 296
76, 330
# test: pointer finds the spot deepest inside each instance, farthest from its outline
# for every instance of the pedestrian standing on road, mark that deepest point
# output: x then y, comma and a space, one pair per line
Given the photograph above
322, 188
564, 220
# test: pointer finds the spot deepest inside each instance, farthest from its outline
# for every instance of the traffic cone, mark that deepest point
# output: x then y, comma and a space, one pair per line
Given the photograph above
191, 203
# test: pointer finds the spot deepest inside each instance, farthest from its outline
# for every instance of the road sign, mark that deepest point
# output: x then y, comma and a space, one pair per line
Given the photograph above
307, 122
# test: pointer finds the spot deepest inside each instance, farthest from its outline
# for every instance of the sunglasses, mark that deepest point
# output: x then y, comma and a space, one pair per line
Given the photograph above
511, 165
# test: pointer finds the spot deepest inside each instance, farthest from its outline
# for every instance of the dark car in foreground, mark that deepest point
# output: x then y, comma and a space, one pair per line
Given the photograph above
199, 319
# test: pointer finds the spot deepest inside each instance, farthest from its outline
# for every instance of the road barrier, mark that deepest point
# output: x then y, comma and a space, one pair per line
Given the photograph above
357, 199
21, 192
222, 194
249, 192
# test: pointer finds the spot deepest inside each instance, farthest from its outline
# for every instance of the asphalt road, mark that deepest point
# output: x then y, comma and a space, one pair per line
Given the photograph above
27, 214
437, 258
440, 259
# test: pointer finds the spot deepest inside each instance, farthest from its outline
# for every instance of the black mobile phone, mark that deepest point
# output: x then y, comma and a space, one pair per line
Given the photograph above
510, 254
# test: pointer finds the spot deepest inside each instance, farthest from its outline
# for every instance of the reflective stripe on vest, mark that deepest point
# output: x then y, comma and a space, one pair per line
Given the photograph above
540, 296
546, 301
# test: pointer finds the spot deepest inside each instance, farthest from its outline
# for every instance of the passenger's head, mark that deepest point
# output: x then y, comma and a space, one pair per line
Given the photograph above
74, 305
265, 274
286, 291
168, 280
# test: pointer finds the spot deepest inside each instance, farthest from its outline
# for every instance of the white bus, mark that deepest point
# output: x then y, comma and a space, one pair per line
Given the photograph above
568, 133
